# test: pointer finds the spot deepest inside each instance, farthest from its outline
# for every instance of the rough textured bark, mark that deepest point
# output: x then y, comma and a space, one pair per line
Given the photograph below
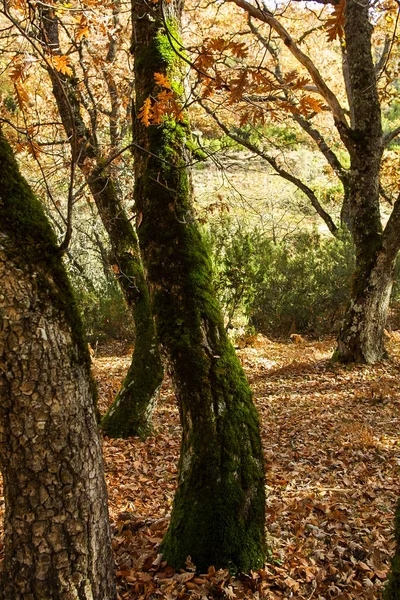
392, 588
131, 412
361, 337
218, 514
57, 541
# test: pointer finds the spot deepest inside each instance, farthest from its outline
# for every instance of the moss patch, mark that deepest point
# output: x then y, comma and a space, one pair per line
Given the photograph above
33, 244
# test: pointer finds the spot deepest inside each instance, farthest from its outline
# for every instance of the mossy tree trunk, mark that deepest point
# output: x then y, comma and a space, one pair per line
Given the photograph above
392, 589
361, 338
131, 411
218, 513
57, 540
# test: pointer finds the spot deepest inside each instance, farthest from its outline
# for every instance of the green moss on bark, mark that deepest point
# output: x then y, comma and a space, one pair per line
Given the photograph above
34, 244
131, 412
218, 513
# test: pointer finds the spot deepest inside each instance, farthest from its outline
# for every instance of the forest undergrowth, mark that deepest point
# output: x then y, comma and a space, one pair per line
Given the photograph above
332, 451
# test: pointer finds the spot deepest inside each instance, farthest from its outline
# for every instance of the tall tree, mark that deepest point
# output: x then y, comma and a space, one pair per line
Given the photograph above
131, 411
218, 513
57, 540
360, 130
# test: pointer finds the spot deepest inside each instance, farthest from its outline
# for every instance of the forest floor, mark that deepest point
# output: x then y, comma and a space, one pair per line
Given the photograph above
332, 451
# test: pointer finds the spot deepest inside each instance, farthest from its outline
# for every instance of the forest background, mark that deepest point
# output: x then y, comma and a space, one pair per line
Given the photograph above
279, 269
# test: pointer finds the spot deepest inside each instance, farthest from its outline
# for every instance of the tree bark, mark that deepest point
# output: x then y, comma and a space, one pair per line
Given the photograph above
361, 337
131, 412
392, 588
57, 538
218, 513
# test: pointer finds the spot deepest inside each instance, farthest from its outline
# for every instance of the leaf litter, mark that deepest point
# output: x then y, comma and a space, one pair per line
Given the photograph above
332, 453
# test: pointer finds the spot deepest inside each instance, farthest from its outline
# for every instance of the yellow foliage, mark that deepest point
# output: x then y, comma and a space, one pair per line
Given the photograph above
61, 64
146, 113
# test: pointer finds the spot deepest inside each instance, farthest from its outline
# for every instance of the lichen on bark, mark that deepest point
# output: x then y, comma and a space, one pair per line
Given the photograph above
218, 513
57, 540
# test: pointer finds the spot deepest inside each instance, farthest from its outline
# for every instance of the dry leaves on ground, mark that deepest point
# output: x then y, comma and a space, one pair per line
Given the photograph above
332, 452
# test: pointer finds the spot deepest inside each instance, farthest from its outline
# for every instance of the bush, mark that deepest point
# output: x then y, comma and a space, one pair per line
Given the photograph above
300, 284
102, 306
303, 286
234, 252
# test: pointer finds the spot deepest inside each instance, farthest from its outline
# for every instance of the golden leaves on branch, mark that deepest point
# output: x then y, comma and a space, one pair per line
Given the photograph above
21, 95
221, 68
217, 48
334, 26
60, 62
18, 74
30, 146
310, 104
146, 113
164, 104
162, 81
83, 30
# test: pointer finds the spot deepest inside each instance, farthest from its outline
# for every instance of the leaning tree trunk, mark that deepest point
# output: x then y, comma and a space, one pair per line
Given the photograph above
392, 589
132, 409
218, 514
57, 540
361, 338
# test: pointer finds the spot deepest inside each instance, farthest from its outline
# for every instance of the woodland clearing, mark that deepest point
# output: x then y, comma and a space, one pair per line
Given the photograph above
332, 452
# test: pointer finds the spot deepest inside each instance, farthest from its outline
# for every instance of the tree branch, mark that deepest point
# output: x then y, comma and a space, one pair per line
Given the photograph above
266, 16
389, 137
282, 172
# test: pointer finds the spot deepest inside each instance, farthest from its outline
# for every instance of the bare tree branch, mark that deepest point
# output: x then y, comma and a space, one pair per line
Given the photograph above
282, 172
390, 136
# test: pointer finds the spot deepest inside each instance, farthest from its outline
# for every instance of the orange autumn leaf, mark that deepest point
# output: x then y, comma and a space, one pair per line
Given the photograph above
146, 112
61, 64
162, 80
335, 24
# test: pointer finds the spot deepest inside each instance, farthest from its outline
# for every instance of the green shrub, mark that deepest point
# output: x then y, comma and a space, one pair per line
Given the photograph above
235, 256
300, 284
303, 285
103, 307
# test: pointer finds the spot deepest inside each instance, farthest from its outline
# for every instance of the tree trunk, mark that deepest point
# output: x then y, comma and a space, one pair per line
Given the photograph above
218, 514
361, 337
131, 412
57, 538
392, 589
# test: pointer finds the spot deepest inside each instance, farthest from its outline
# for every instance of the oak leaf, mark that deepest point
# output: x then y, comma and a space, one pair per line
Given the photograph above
335, 24
61, 64
162, 80
146, 112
